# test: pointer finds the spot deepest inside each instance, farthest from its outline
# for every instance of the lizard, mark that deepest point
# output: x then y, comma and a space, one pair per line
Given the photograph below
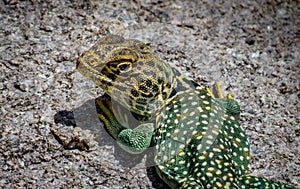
198, 140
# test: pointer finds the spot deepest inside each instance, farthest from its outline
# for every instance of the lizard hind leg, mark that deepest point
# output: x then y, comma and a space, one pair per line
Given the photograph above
232, 106
217, 92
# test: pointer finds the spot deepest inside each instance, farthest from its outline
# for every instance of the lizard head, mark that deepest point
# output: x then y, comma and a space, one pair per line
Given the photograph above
129, 72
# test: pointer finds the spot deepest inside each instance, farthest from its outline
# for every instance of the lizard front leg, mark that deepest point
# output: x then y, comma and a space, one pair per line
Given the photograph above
117, 121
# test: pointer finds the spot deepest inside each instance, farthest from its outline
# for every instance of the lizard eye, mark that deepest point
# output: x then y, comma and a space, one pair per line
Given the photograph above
124, 67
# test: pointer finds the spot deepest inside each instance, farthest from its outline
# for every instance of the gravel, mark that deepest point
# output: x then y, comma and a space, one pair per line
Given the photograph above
49, 133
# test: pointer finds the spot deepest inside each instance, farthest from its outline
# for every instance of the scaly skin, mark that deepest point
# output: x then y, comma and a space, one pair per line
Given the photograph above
198, 140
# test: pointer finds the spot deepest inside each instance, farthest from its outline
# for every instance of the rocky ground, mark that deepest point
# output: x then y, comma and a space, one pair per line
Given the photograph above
251, 47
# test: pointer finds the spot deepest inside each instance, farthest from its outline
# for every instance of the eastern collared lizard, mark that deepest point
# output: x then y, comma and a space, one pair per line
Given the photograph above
198, 140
